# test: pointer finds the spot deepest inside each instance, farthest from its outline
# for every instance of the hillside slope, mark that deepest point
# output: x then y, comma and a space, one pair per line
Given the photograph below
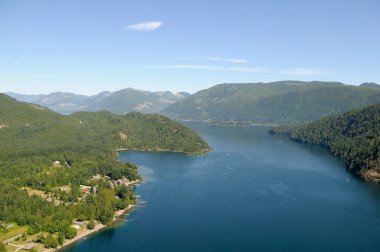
354, 136
276, 102
31, 128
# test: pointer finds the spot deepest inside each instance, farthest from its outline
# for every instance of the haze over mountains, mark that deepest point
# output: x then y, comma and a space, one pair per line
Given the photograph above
275, 102
282, 102
118, 102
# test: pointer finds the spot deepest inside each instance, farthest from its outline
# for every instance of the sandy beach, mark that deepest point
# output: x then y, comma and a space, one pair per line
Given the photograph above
133, 182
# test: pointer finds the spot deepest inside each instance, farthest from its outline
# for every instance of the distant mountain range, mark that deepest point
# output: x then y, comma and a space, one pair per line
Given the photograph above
370, 84
282, 102
276, 102
118, 102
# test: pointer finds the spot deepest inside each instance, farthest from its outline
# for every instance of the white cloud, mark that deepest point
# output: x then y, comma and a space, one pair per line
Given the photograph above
247, 69
303, 71
215, 68
237, 60
181, 67
227, 60
145, 26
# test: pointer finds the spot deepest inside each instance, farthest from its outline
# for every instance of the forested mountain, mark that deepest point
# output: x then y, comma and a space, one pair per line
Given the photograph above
276, 102
354, 136
118, 102
25, 121
370, 84
46, 159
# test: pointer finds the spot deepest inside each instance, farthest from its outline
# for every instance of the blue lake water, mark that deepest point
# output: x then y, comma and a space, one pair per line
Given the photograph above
253, 192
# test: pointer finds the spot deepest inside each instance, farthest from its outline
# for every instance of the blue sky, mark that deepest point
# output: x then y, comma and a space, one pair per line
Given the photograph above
91, 46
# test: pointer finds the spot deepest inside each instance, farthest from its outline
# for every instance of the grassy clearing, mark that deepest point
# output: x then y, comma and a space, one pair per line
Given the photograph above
39, 193
16, 230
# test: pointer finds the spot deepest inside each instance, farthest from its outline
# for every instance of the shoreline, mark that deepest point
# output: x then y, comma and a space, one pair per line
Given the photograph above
202, 152
237, 124
98, 227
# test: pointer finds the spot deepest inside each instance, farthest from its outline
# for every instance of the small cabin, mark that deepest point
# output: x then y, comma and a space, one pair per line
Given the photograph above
10, 226
85, 189
79, 224
64, 188
56, 163
76, 226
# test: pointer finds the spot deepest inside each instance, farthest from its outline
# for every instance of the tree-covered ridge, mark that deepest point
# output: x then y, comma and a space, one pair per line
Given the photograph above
354, 136
159, 133
55, 169
35, 130
16, 113
277, 102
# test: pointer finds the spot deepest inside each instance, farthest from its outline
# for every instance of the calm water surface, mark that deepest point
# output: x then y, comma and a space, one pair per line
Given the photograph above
253, 192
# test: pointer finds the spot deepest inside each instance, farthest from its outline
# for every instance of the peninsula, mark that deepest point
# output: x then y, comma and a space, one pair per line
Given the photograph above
59, 176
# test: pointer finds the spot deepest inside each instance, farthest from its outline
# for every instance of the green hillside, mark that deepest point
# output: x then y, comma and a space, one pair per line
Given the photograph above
17, 113
29, 124
354, 136
42, 152
277, 102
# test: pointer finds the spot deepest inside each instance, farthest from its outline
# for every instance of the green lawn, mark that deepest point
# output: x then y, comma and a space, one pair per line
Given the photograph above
16, 230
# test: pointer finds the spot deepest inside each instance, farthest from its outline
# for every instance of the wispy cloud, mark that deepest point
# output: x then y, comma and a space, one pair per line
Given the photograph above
215, 68
182, 67
187, 58
145, 26
247, 69
227, 60
303, 71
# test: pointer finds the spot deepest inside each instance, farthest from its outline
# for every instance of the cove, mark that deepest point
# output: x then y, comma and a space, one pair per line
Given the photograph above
253, 192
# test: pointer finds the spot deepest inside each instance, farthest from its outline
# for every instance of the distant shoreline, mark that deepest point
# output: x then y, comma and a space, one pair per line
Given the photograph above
163, 150
238, 124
